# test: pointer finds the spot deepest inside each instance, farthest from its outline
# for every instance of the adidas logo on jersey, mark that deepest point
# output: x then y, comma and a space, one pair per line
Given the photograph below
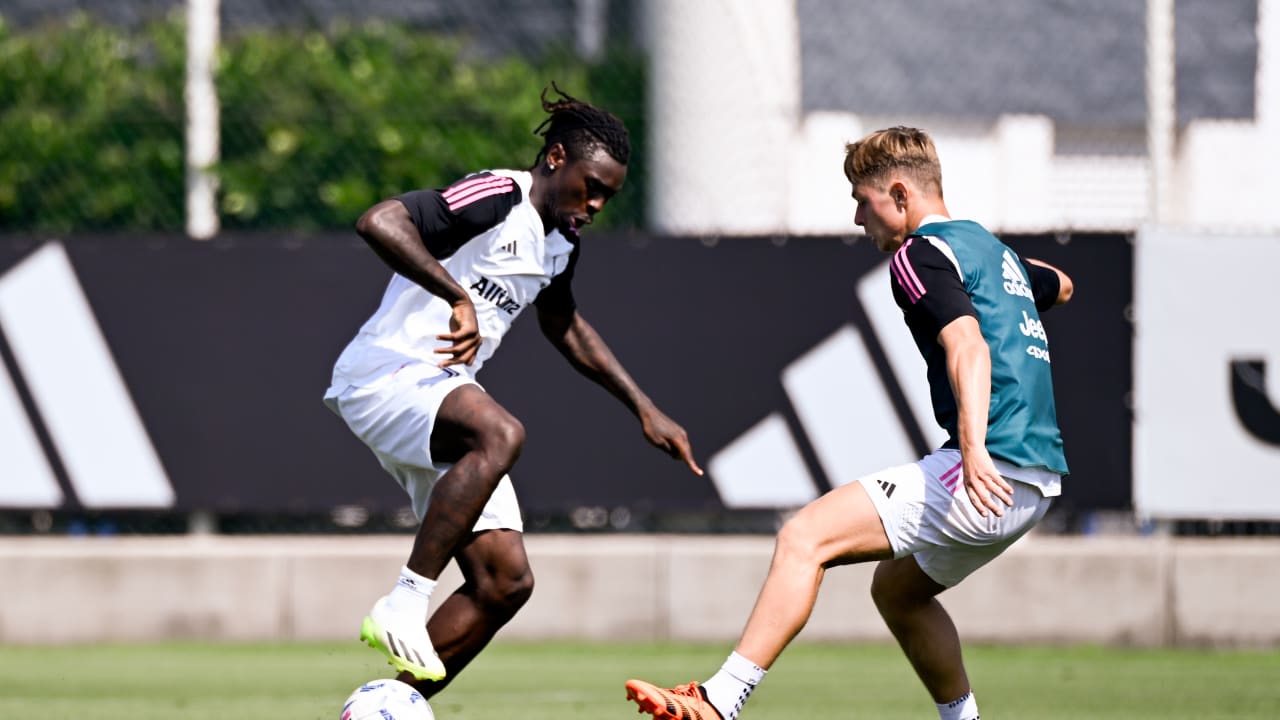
1015, 283
887, 487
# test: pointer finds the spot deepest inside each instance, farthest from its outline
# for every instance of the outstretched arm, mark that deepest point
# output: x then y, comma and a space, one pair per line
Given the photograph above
583, 347
390, 231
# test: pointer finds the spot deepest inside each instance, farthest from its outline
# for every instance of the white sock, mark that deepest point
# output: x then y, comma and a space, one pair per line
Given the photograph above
411, 594
729, 689
964, 707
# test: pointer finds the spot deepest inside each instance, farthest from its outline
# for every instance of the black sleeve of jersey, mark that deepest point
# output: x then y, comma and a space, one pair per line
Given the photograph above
1045, 284
447, 219
557, 297
928, 287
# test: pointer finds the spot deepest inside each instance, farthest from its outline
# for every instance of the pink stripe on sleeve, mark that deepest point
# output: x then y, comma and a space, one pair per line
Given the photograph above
454, 207
912, 288
904, 284
901, 257
470, 184
462, 200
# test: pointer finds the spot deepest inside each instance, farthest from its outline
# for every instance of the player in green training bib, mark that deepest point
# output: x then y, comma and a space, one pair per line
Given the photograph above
973, 307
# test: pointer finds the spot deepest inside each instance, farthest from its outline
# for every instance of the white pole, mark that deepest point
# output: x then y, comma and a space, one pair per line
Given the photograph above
1268, 83
590, 19
1162, 107
724, 108
202, 118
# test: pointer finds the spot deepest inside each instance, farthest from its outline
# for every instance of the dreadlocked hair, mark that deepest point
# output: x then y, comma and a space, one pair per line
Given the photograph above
581, 128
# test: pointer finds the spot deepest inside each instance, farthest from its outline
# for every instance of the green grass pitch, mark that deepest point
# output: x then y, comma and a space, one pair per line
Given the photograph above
564, 681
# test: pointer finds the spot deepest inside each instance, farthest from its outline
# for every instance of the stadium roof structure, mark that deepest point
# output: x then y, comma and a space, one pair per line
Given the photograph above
985, 59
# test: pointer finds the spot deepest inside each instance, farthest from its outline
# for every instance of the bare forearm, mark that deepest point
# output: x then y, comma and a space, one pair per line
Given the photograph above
1065, 287
387, 229
589, 355
969, 368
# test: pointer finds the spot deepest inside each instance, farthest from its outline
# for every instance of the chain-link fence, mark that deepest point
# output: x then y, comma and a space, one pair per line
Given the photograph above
330, 105
325, 107
91, 125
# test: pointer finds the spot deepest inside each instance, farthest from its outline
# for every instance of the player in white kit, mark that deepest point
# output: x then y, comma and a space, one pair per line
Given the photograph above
468, 260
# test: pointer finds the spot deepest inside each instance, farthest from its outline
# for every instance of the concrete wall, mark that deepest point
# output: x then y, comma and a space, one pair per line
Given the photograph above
1114, 591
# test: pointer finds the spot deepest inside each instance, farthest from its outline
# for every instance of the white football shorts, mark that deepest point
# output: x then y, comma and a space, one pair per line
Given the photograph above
927, 513
395, 415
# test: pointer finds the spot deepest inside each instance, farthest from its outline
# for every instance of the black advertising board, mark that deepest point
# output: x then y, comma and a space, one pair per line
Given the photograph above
224, 349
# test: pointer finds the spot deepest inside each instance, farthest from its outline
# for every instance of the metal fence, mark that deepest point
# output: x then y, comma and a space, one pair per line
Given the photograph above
316, 109
324, 106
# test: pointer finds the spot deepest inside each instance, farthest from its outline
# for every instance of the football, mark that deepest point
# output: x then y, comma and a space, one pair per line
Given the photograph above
386, 700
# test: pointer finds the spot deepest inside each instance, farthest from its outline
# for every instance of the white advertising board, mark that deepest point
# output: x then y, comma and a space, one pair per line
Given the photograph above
1206, 375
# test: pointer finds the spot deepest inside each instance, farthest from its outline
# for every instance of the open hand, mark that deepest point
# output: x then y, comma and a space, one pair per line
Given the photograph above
464, 336
988, 490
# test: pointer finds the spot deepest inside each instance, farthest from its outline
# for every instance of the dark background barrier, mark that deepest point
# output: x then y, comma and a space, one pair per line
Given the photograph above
227, 346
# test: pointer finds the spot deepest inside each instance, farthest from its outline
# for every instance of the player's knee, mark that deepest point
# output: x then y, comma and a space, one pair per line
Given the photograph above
519, 590
796, 542
503, 441
883, 593
507, 591
891, 592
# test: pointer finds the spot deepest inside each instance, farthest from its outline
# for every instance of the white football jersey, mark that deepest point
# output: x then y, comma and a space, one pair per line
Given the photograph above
503, 269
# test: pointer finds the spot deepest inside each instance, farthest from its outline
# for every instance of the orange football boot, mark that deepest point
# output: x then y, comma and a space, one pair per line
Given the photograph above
686, 702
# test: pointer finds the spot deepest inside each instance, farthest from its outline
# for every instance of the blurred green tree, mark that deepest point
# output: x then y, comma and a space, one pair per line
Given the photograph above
91, 128
315, 126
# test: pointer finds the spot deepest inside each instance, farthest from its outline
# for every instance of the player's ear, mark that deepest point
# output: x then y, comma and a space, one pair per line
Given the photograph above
556, 157
898, 191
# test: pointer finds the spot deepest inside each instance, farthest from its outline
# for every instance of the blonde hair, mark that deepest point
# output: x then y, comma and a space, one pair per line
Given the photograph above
875, 157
